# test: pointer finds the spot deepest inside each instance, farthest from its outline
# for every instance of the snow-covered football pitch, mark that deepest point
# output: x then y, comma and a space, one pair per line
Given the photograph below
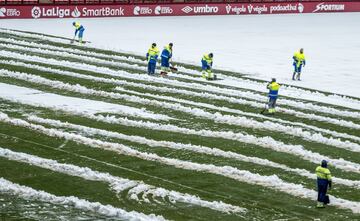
86, 135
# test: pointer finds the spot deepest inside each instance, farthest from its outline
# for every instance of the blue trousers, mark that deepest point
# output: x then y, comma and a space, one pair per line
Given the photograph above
297, 69
204, 65
151, 67
322, 189
165, 62
81, 32
272, 102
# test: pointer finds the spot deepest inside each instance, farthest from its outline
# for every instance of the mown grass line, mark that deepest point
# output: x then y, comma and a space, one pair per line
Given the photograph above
211, 183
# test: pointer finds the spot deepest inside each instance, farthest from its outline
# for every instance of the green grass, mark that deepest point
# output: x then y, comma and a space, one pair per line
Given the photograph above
262, 203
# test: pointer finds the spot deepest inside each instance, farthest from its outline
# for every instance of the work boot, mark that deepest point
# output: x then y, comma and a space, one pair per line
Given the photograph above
294, 76
203, 74
320, 205
209, 75
298, 77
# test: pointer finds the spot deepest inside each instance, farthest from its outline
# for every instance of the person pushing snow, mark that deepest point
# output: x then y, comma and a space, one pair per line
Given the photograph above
166, 55
323, 182
273, 94
206, 66
299, 62
78, 29
151, 57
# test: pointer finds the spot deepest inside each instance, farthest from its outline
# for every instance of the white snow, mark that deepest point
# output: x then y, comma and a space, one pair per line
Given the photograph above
260, 45
31, 194
70, 104
266, 142
217, 117
273, 181
208, 88
233, 81
195, 148
117, 183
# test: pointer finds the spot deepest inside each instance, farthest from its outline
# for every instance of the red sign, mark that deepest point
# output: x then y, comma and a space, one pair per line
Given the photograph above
67, 11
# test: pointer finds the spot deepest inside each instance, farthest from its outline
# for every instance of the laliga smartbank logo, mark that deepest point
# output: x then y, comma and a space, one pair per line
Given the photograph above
41, 12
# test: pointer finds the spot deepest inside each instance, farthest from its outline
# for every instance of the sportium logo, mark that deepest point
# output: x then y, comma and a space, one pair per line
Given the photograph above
329, 7
200, 9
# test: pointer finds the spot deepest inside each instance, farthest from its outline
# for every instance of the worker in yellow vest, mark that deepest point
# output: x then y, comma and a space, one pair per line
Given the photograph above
78, 29
299, 62
206, 66
151, 57
273, 95
323, 182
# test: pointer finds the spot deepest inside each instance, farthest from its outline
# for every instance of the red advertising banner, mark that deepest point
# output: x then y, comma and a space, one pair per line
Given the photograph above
76, 11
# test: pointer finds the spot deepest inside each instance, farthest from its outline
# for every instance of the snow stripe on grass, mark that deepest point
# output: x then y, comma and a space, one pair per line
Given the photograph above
179, 91
189, 147
69, 104
251, 123
217, 117
142, 77
266, 142
8, 187
300, 105
118, 184
273, 181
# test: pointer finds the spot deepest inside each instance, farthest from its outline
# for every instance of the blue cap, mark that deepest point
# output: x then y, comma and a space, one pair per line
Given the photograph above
324, 163
73, 23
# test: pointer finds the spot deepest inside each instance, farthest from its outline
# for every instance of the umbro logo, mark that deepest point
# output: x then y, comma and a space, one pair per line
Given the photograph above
187, 9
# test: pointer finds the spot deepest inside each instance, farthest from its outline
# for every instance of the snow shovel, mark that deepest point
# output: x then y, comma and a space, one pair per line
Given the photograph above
173, 69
